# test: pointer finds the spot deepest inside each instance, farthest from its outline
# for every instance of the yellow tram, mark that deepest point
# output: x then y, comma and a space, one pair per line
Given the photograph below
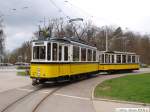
69, 58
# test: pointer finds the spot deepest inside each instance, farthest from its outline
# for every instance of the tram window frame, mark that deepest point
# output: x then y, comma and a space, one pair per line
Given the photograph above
112, 58
60, 52
42, 54
129, 59
124, 58
100, 58
35, 52
89, 55
133, 58
39, 55
106, 58
83, 54
109, 58
137, 59
118, 60
48, 51
66, 53
94, 55
54, 53
76, 53
103, 58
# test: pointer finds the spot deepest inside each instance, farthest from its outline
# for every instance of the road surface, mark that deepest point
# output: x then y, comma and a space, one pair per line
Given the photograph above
69, 97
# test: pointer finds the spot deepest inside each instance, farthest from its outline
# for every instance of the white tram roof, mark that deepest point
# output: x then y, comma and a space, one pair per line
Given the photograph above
71, 40
118, 52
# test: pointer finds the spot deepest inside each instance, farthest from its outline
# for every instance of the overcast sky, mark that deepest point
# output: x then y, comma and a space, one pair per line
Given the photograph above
22, 17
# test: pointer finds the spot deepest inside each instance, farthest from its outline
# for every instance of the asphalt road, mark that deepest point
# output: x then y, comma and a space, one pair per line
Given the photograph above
9, 80
72, 97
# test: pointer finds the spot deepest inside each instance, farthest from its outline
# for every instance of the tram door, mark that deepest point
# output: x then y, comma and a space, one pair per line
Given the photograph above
64, 66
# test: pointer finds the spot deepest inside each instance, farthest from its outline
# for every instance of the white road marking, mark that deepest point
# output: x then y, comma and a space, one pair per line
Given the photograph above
75, 97
21, 89
29, 90
44, 91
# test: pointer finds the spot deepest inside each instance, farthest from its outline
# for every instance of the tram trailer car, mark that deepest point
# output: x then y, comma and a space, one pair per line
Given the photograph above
69, 58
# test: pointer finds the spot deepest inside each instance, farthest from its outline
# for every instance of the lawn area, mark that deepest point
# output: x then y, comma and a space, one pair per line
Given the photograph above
22, 73
129, 88
23, 67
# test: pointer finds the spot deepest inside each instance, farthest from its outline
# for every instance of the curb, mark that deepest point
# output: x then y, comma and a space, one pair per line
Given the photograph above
116, 101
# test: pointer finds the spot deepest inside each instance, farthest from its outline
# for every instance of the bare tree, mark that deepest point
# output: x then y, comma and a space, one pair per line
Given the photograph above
69, 30
144, 49
118, 40
24, 52
2, 39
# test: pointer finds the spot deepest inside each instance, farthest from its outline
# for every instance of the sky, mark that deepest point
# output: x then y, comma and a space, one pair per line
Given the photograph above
22, 17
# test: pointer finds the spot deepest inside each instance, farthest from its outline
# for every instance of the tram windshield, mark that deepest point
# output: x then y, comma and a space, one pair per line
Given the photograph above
39, 52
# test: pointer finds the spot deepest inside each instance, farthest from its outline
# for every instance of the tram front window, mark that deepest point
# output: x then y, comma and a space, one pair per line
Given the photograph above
39, 52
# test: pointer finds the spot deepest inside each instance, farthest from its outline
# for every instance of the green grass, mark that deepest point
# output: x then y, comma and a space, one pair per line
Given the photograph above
22, 73
23, 67
134, 88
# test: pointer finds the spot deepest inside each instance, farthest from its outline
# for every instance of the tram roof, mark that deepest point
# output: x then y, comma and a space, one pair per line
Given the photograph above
71, 40
117, 52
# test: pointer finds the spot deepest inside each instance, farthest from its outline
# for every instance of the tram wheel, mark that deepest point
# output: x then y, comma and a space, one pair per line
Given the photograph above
35, 82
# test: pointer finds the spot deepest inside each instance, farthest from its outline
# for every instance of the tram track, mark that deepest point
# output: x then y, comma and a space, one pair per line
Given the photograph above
44, 98
46, 93
55, 90
21, 99
52, 89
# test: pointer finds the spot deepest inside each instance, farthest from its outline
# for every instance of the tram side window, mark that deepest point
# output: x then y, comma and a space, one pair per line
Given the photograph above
89, 54
106, 58
94, 55
123, 58
103, 58
66, 53
112, 58
129, 59
54, 51
39, 52
36, 52
42, 52
118, 58
83, 54
49, 51
60, 52
133, 59
109, 58
76, 53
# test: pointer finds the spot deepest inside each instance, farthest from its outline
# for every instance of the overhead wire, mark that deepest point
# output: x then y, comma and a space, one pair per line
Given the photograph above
78, 8
88, 14
73, 6
59, 9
